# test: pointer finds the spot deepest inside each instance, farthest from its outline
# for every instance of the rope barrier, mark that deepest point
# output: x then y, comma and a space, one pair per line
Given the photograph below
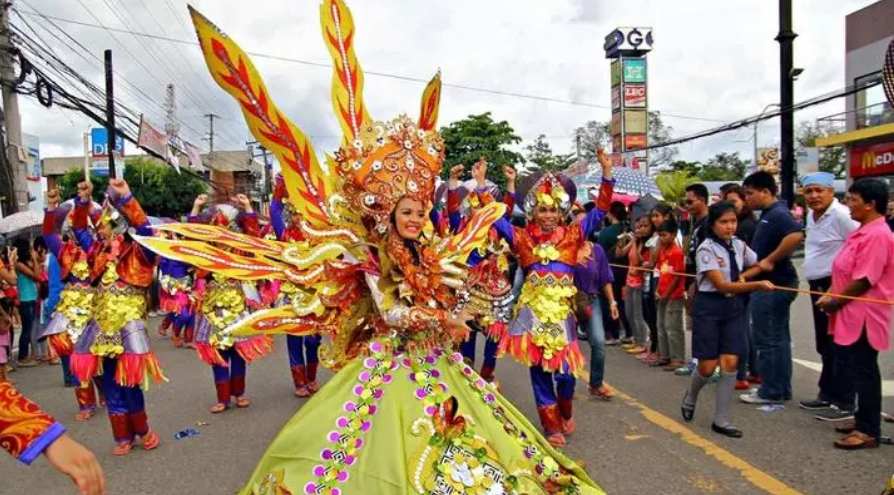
778, 287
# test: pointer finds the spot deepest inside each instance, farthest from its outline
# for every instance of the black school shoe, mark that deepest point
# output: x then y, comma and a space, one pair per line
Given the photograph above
813, 405
729, 430
686, 411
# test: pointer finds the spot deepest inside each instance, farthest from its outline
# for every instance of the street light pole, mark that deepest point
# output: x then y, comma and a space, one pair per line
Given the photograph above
756, 124
786, 39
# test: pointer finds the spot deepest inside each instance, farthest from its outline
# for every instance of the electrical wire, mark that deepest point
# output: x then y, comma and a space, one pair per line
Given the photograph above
377, 73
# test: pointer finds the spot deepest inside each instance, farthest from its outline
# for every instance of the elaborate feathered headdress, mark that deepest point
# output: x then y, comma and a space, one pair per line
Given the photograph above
378, 162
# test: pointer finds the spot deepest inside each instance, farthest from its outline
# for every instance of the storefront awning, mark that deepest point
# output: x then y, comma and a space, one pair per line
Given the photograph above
858, 135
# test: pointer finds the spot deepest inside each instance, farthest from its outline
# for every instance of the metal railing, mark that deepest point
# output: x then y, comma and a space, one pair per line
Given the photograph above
870, 116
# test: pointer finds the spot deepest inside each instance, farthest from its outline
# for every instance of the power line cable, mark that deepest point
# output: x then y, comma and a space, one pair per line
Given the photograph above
382, 74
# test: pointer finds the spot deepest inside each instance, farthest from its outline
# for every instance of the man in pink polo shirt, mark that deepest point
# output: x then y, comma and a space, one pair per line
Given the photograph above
863, 268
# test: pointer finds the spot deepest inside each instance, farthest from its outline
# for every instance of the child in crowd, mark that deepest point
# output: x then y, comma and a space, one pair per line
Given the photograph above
5, 342
634, 248
669, 296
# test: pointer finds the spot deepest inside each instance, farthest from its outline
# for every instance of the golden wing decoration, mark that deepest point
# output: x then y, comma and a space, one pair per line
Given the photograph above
306, 180
212, 233
276, 321
431, 102
204, 256
475, 233
347, 77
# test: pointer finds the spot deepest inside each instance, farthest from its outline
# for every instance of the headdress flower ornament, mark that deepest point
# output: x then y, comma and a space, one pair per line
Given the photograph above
548, 189
108, 216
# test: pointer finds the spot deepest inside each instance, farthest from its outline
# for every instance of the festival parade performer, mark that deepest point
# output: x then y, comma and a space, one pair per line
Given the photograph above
115, 344
489, 288
76, 301
304, 351
175, 283
543, 334
221, 301
403, 413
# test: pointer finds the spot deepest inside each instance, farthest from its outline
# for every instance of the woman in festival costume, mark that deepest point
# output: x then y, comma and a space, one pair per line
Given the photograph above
403, 414
175, 292
77, 299
115, 344
543, 334
222, 300
304, 354
489, 288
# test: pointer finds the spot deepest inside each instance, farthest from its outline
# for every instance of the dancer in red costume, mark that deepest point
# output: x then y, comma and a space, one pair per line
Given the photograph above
115, 344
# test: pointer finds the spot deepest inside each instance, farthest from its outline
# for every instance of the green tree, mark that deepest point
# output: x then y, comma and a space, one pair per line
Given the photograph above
593, 135
660, 133
689, 168
832, 159
672, 185
541, 157
724, 167
161, 191
469, 139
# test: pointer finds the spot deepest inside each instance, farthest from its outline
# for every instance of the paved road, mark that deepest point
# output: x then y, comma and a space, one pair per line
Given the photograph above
634, 445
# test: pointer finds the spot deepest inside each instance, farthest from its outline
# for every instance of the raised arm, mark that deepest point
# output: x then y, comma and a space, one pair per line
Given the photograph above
195, 216
80, 218
54, 218
592, 222
248, 219
276, 208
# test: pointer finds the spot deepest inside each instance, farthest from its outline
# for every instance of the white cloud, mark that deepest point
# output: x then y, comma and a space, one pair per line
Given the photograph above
712, 59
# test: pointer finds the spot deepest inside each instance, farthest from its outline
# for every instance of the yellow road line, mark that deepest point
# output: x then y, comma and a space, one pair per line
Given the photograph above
752, 474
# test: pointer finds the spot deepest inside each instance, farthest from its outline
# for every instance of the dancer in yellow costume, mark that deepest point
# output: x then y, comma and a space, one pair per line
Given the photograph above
403, 414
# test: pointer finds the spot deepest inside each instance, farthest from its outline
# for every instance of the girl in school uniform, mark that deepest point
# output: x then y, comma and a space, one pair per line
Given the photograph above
723, 263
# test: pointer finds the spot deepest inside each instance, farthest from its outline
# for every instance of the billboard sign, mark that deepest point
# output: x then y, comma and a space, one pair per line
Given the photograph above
635, 70
634, 141
867, 161
615, 128
807, 160
616, 98
616, 73
99, 142
635, 96
635, 122
628, 42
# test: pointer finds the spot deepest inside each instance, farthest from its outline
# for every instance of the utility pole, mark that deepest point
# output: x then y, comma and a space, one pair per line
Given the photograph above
211, 118
15, 186
111, 135
786, 39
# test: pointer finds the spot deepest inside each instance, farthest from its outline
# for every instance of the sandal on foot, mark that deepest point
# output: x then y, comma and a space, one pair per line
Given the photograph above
123, 448
856, 440
218, 408
242, 402
302, 392
86, 415
568, 426
556, 440
150, 440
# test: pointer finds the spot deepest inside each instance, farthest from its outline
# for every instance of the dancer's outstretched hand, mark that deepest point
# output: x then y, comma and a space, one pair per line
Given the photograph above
74, 460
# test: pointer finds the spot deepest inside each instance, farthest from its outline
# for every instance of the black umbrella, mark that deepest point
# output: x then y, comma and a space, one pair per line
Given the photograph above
643, 206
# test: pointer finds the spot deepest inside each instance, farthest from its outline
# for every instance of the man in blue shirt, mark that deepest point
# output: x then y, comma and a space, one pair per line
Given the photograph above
777, 236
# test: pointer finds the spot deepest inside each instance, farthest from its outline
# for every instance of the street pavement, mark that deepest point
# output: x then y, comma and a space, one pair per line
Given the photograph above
635, 444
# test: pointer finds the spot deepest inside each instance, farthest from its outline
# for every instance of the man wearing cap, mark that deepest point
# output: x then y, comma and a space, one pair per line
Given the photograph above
828, 225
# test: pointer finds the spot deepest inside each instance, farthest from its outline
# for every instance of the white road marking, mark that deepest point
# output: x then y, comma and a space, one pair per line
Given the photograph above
887, 385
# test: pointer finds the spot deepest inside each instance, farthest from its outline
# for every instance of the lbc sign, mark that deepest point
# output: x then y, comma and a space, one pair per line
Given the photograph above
872, 160
99, 139
635, 96
628, 42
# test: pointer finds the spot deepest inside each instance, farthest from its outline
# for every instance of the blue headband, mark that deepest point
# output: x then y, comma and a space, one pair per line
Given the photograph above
824, 179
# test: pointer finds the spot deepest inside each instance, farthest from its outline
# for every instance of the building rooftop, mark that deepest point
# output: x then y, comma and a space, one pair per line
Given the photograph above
223, 161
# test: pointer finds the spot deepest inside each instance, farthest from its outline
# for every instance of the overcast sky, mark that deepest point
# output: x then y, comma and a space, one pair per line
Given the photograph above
714, 60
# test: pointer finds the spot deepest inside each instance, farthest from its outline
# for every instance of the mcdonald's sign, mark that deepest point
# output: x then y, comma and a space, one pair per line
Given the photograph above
872, 160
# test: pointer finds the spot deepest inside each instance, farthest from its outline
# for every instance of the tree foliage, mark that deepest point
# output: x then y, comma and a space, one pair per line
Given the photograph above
722, 167
832, 159
161, 191
592, 135
469, 139
672, 184
540, 157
